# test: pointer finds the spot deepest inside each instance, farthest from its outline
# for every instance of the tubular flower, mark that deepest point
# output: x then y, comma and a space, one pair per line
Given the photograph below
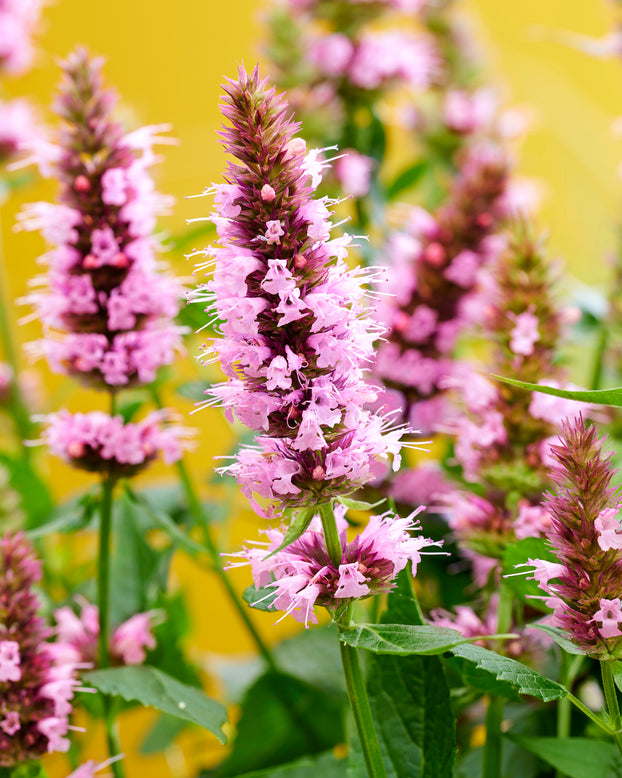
98, 442
128, 642
583, 587
302, 575
295, 333
435, 267
110, 310
36, 683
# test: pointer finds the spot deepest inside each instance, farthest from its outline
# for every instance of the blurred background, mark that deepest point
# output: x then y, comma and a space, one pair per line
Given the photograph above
167, 61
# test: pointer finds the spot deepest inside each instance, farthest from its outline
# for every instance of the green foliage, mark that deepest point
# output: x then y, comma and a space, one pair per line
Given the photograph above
193, 390
407, 179
35, 498
72, 516
153, 688
402, 639
575, 757
261, 599
495, 674
611, 397
298, 527
162, 734
410, 704
326, 765
283, 718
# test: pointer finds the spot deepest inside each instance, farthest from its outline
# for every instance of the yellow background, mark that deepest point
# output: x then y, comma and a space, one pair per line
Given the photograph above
167, 59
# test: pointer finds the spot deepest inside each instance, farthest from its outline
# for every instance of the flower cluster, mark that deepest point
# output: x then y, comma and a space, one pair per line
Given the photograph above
504, 435
128, 642
18, 22
302, 575
334, 63
434, 272
583, 587
296, 336
100, 443
36, 681
111, 310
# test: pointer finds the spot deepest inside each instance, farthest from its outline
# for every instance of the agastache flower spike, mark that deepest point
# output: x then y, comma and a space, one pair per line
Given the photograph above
303, 575
111, 312
584, 587
296, 336
36, 681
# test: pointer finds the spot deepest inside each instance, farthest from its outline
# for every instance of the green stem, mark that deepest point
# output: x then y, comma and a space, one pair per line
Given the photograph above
199, 516
357, 692
589, 713
103, 594
611, 698
355, 683
493, 748
331, 533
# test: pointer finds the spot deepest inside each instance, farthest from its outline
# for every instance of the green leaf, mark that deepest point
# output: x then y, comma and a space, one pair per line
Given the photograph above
575, 757
73, 516
153, 688
35, 498
616, 668
358, 505
163, 521
407, 179
516, 579
162, 734
410, 703
402, 639
27, 770
261, 599
325, 765
283, 718
139, 572
193, 390
131, 406
502, 674
612, 397
559, 637
297, 528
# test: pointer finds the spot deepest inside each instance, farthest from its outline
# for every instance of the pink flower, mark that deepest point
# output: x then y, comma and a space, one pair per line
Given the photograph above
608, 527
131, 638
353, 172
296, 336
304, 576
610, 614
9, 661
524, 334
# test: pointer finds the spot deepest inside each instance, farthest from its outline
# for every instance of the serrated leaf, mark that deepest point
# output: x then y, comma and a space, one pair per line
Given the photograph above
297, 528
402, 639
407, 179
559, 637
261, 599
575, 757
611, 397
156, 689
510, 673
410, 703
